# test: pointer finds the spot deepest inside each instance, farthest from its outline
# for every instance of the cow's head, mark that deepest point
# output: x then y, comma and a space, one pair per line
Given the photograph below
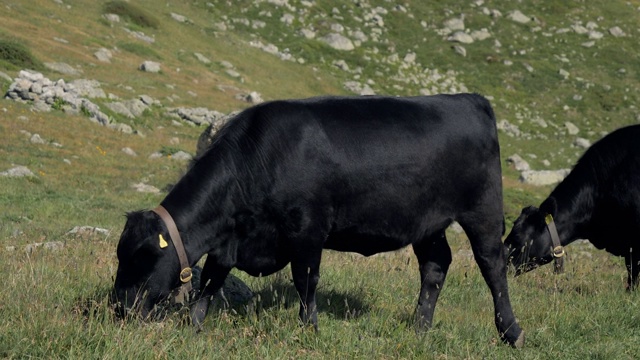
529, 243
148, 266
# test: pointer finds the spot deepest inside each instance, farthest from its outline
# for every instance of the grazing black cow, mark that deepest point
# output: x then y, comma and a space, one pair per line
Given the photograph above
286, 179
599, 200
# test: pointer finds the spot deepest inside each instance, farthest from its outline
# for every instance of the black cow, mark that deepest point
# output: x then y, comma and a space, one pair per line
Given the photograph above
284, 180
599, 200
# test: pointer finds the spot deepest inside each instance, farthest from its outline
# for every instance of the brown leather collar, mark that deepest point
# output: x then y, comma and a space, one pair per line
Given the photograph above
185, 269
557, 250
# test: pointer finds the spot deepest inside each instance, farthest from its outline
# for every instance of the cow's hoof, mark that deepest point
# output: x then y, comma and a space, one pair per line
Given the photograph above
519, 343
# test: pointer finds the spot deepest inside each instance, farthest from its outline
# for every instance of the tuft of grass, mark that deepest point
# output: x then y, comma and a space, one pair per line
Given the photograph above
140, 50
131, 13
15, 54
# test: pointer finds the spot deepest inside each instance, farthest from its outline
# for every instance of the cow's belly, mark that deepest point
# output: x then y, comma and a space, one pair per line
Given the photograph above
365, 244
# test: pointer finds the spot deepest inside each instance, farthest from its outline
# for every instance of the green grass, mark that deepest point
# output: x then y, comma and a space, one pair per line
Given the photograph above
53, 304
15, 55
132, 13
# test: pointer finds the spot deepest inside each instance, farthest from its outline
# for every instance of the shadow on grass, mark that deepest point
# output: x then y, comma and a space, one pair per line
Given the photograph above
281, 294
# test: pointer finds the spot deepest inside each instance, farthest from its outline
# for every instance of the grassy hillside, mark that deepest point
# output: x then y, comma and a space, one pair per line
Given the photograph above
551, 70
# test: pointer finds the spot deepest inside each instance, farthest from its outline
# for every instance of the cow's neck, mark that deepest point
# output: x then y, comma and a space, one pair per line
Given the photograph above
571, 204
202, 204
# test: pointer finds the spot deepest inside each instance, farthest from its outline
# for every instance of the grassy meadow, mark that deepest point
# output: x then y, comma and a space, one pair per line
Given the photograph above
53, 303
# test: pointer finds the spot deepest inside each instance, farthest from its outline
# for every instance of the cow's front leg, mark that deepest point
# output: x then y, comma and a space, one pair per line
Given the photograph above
211, 280
488, 251
434, 258
306, 273
633, 269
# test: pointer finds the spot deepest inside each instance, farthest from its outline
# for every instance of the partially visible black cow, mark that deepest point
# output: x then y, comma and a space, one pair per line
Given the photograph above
599, 200
286, 179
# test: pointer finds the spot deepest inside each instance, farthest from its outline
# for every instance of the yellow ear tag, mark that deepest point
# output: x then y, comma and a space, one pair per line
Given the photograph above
548, 219
163, 242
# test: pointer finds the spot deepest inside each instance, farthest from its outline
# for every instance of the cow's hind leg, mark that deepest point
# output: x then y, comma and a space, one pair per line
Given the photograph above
211, 280
434, 258
484, 233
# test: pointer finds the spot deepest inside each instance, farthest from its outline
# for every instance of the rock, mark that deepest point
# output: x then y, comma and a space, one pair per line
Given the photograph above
582, 143
88, 231
338, 42
308, 34
129, 151
150, 66
103, 55
460, 50
180, 18
454, 24
571, 128
63, 68
36, 139
181, 156
203, 59
543, 177
617, 32
480, 35
51, 245
460, 37
145, 188
18, 171
233, 292
518, 17
198, 116
112, 18
509, 129
519, 163
87, 88
563, 73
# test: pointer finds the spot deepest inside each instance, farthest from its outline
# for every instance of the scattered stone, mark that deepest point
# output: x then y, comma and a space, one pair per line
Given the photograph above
461, 37
454, 24
519, 17
63, 68
338, 42
460, 50
18, 171
198, 116
88, 231
518, 162
203, 59
564, 73
508, 128
36, 139
180, 18
480, 35
145, 188
114, 18
51, 245
617, 32
129, 151
582, 143
543, 177
182, 156
252, 97
103, 55
150, 66
571, 128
